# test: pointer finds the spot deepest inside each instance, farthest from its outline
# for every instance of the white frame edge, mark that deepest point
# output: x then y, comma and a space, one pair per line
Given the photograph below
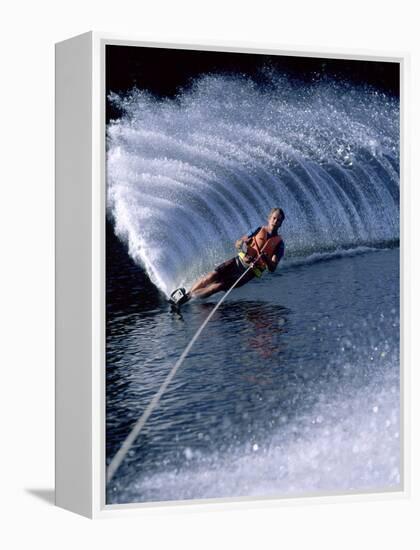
80, 278
73, 203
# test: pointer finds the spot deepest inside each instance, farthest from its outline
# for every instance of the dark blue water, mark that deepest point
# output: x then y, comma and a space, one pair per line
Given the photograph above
292, 388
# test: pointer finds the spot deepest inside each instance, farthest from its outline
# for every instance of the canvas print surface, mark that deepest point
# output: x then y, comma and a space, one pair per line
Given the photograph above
252, 275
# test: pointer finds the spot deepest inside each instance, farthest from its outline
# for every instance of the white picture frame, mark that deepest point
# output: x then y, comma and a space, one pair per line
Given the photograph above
80, 271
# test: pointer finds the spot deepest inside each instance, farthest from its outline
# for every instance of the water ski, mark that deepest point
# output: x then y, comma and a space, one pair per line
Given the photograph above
179, 297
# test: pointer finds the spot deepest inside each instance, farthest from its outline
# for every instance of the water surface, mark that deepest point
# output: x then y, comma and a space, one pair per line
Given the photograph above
292, 388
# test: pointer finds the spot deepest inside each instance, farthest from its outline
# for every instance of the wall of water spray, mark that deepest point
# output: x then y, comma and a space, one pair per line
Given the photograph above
187, 176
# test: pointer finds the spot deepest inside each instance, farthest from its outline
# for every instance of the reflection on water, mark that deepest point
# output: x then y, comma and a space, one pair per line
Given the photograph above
260, 325
240, 351
266, 327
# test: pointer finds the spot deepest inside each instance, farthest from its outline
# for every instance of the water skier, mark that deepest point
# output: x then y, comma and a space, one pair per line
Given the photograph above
262, 249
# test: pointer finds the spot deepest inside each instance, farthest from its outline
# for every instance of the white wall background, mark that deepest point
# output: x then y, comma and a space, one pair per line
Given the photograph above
28, 33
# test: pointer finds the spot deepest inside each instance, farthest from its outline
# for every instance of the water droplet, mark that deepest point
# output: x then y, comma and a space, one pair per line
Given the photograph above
188, 453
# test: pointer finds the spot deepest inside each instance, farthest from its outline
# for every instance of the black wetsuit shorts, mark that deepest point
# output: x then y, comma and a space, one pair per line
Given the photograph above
228, 272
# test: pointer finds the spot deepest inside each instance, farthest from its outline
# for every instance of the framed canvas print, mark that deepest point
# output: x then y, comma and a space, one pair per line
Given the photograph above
228, 274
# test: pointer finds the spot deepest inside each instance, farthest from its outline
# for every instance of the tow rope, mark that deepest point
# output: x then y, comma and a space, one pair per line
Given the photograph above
139, 425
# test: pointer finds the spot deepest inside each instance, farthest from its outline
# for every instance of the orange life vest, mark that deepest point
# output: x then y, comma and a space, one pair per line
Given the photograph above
261, 243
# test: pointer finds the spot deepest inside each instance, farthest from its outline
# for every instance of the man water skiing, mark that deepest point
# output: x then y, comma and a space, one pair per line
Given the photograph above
262, 249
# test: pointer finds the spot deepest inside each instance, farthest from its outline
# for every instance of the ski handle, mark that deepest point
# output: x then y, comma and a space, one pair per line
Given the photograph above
260, 253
